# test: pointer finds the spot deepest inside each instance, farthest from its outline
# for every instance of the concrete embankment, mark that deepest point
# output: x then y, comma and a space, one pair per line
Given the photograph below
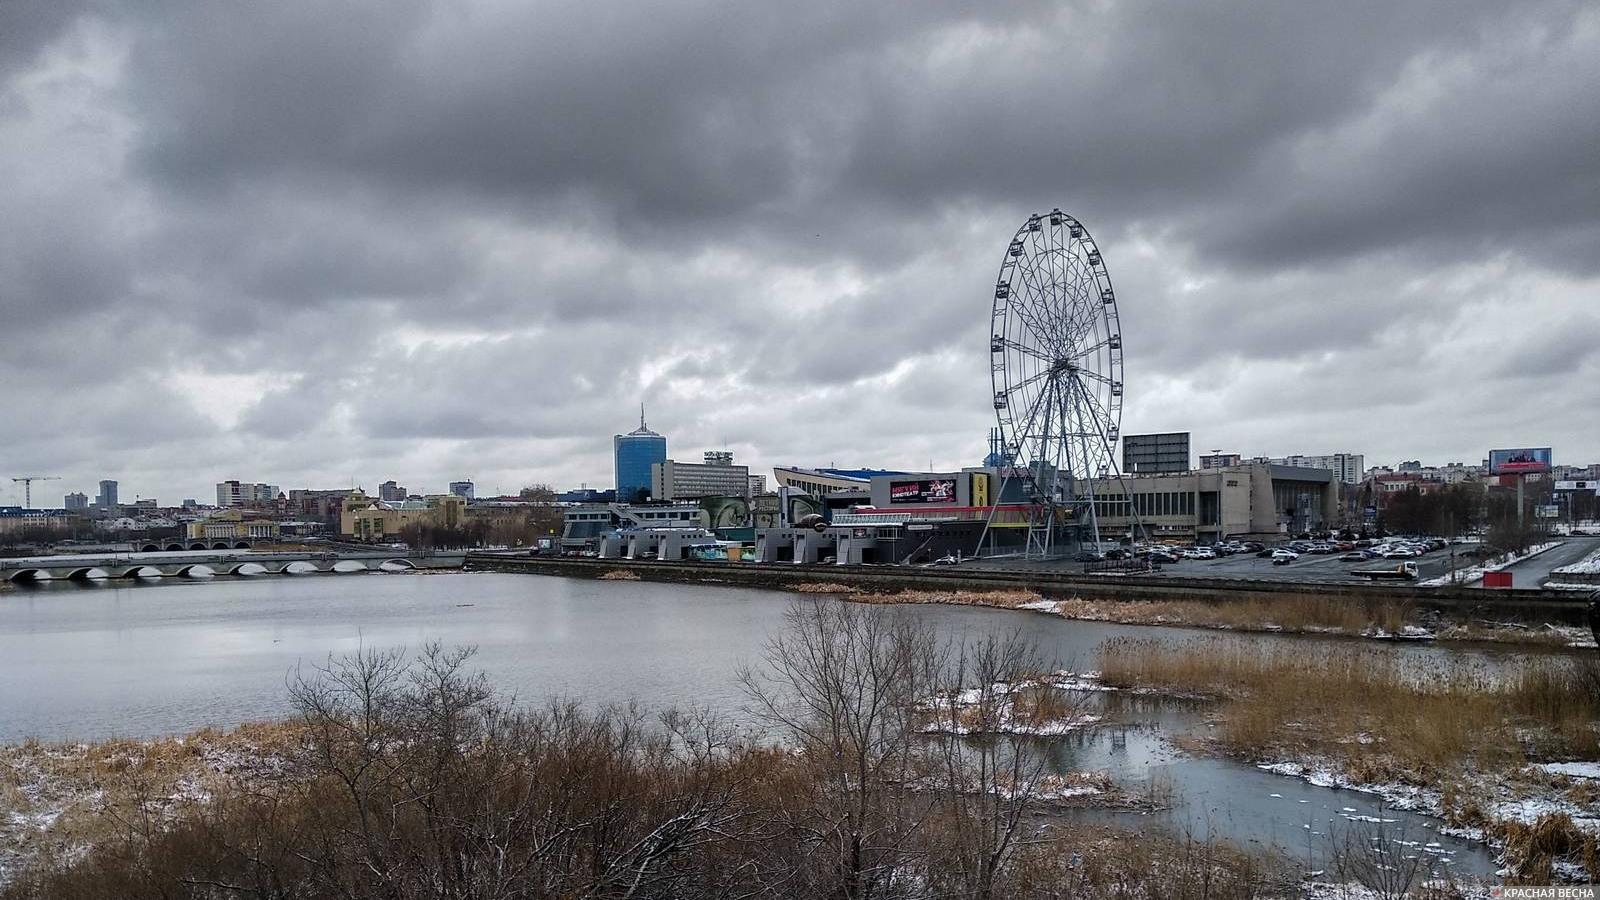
1522, 605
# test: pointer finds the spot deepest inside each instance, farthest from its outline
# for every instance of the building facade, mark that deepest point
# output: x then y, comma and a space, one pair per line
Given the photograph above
1220, 460
717, 477
1154, 454
108, 495
233, 493
391, 492
77, 501
633, 454
366, 519
1255, 500
461, 489
1347, 467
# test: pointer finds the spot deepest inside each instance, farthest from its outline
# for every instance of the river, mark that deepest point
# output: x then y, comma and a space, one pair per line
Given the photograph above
82, 662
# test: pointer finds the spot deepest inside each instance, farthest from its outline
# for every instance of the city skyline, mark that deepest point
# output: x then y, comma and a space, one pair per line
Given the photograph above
432, 245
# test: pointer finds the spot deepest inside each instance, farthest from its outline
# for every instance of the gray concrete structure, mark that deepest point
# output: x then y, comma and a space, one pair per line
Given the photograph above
1256, 500
82, 567
660, 543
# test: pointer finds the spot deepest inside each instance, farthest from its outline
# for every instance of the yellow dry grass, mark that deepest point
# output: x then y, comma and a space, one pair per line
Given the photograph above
1301, 613
61, 797
1366, 707
620, 575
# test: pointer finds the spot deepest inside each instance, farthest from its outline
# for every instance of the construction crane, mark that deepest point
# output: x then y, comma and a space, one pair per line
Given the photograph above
27, 486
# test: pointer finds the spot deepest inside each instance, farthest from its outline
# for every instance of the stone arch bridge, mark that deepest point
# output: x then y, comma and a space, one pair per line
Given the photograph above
188, 563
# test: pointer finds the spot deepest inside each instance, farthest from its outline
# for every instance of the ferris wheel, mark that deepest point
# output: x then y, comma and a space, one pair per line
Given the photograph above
1055, 351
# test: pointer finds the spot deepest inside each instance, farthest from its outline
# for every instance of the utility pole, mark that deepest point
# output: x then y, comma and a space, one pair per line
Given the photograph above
27, 486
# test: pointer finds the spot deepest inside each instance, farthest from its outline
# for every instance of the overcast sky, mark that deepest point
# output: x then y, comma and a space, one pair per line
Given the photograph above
320, 244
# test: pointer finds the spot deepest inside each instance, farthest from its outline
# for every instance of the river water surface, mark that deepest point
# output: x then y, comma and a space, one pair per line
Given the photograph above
87, 662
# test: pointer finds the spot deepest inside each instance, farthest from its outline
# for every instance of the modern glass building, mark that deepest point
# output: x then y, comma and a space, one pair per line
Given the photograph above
636, 452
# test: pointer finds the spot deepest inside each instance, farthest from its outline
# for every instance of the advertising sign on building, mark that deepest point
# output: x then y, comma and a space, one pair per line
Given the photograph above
1519, 461
927, 490
1590, 486
1546, 512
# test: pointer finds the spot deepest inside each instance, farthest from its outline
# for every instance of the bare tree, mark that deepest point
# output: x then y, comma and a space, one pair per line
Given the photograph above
999, 697
841, 686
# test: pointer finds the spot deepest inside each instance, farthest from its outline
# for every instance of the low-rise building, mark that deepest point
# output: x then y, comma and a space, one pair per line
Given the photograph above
366, 519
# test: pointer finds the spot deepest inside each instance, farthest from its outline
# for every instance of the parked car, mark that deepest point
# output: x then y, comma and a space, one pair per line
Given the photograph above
1353, 556
1398, 552
1284, 557
1203, 553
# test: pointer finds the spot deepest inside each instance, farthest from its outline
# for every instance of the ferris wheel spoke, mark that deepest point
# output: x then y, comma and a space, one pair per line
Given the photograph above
1025, 383
1101, 413
1103, 343
1096, 376
1034, 314
1033, 328
1010, 344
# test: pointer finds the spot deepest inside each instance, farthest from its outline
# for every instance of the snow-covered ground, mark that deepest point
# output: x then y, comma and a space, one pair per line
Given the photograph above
962, 712
1527, 802
1475, 573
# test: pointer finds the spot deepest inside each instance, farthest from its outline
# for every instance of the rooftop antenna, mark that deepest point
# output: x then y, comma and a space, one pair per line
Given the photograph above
641, 416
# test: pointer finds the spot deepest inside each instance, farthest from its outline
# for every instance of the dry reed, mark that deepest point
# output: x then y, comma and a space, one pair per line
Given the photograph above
1363, 706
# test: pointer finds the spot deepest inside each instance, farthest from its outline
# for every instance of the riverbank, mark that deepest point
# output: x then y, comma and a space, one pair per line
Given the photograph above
1491, 754
1380, 619
552, 801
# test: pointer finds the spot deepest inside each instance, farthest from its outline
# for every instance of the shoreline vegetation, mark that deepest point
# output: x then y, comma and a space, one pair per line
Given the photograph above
1287, 613
877, 761
1484, 751
409, 777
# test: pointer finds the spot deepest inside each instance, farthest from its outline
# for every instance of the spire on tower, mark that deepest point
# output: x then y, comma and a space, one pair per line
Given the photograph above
641, 415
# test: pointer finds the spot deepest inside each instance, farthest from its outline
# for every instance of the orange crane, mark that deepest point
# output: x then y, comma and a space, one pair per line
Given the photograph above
27, 486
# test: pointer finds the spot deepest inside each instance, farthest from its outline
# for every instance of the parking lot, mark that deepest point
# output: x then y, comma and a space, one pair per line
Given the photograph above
1325, 569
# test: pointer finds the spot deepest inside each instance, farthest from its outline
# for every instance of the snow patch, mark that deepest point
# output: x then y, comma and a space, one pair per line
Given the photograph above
1573, 769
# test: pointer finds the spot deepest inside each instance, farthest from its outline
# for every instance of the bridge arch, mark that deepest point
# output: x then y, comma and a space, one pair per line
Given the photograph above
84, 573
241, 545
150, 548
175, 548
398, 561
218, 545
132, 571
197, 545
188, 571
28, 576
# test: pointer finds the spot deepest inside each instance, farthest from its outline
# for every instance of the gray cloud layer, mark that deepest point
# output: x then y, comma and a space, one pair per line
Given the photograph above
305, 244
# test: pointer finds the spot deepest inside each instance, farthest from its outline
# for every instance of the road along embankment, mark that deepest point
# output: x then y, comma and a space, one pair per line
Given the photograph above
1534, 606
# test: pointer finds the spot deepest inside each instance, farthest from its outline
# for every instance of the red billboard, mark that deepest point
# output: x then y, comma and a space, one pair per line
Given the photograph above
925, 490
1520, 461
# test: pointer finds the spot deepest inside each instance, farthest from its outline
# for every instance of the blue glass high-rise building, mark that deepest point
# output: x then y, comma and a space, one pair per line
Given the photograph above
636, 451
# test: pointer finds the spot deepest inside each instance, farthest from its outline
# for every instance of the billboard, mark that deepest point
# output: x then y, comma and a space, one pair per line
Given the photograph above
1519, 461
1547, 512
1591, 486
923, 490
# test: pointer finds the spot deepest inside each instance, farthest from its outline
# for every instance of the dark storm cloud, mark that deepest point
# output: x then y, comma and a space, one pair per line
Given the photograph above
421, 234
